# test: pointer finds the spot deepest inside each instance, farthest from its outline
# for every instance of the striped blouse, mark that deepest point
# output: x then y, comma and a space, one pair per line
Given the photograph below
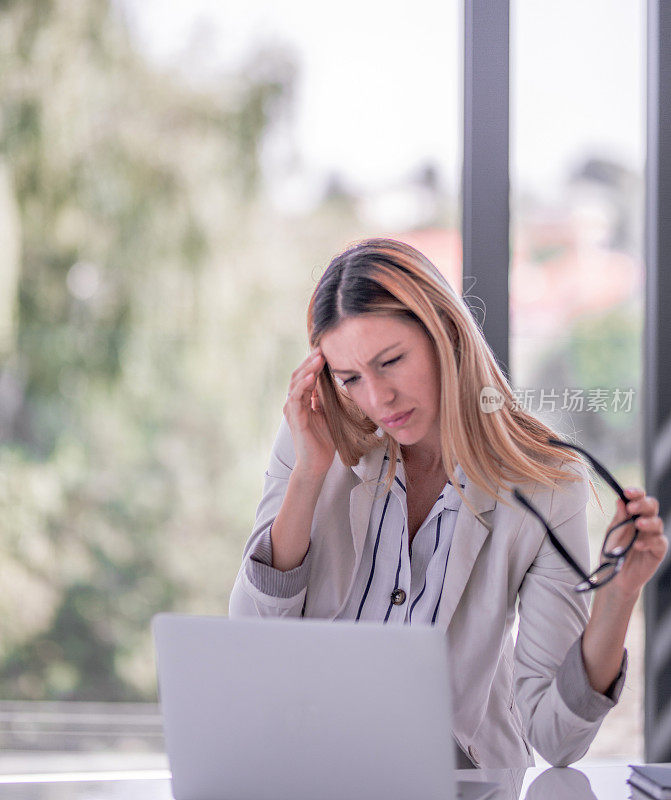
397, 582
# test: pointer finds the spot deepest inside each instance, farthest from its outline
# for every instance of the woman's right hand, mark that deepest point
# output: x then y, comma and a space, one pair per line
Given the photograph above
312, 439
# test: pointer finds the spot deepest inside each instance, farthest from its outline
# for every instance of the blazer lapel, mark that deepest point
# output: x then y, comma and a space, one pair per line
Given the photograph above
360, 505
470, 534
362, 496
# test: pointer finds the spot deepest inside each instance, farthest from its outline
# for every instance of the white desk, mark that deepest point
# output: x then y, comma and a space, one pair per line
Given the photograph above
586, 783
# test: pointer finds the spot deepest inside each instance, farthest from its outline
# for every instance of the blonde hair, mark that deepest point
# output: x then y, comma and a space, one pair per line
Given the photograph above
388, 277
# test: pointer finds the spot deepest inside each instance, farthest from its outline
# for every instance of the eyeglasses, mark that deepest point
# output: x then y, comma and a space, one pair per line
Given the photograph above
618, 541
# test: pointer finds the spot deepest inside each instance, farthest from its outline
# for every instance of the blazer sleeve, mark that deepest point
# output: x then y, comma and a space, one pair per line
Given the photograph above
561, 712
259, 589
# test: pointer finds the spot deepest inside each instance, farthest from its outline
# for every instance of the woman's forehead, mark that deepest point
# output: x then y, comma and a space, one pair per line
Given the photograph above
361, 339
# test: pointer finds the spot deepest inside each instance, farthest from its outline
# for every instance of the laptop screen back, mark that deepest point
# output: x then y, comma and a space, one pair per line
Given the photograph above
298, 709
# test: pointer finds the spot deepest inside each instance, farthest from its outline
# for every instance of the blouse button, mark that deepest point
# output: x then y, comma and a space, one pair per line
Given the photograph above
398, 597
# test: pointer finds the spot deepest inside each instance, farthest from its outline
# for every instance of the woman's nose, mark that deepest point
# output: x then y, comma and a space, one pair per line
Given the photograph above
380, 393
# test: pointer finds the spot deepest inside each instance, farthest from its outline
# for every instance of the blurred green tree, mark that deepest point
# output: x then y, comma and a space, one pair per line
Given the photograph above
137, 387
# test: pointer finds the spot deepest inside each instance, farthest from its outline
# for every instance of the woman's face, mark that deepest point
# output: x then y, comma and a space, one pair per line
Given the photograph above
389, 368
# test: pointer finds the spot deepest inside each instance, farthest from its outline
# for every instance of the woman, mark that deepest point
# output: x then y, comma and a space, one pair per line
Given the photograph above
388, 498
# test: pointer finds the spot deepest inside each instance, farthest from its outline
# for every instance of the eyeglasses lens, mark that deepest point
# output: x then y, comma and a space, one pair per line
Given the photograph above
601, 575
619, 539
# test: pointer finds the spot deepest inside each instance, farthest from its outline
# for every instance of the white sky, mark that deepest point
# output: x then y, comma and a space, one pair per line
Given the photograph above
378, 92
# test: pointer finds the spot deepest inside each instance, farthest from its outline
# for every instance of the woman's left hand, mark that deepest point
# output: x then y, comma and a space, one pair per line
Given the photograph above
603, 639
649, 548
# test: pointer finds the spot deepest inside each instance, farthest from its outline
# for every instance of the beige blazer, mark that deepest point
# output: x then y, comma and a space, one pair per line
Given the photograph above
505, 693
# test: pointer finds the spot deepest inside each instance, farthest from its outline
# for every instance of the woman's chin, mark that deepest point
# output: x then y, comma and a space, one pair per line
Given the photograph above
403, 437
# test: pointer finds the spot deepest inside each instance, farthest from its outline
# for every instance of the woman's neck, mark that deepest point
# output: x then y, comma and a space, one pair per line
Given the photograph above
419, 458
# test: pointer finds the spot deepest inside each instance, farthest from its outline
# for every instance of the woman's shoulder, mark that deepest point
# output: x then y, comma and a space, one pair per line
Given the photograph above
563, 501
283, 455
570, 495
283, 446
567, 495
569, 491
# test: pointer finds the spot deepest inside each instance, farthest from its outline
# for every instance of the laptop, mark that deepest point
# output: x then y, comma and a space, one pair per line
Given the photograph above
303, 709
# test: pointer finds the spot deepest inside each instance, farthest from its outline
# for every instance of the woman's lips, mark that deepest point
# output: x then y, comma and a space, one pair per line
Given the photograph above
396, 421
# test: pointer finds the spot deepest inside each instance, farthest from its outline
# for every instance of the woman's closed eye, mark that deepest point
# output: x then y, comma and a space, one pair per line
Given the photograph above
385, 364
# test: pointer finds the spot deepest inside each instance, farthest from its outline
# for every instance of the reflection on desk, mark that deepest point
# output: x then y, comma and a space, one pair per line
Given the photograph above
555, 783
536, 783
566, 782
